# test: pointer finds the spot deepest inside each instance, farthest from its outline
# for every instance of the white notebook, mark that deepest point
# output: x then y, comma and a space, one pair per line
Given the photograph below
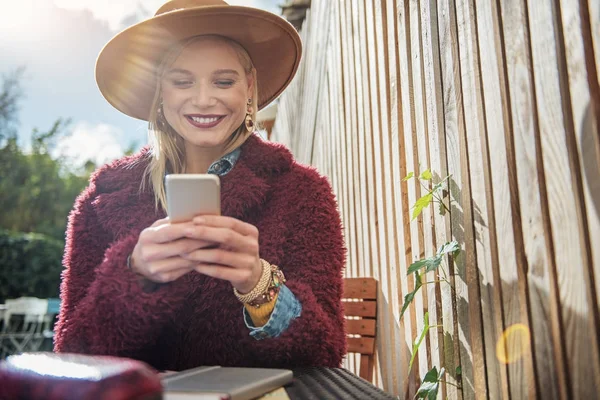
223, 383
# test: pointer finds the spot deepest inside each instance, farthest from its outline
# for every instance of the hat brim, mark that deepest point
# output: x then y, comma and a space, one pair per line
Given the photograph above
126, 66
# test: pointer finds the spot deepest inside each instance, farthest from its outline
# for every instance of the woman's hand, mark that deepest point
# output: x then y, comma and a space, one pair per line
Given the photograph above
235, 257
157, 255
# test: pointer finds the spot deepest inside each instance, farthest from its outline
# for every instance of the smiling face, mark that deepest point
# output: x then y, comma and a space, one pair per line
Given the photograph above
205, 93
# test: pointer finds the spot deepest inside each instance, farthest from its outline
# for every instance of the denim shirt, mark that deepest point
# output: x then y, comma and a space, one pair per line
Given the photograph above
287, 306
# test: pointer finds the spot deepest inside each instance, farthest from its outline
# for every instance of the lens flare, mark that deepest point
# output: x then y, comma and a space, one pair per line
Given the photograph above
514, 344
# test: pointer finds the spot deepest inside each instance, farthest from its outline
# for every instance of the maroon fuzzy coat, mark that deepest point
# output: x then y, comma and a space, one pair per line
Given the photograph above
196, 320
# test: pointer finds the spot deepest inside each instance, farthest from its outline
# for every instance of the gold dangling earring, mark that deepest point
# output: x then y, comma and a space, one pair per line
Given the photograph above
248, 121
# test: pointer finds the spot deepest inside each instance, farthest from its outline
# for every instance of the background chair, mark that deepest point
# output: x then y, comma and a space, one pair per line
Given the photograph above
25, 321
360, 309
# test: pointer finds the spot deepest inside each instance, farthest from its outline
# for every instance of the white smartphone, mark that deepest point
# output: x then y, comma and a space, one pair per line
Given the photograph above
190, 195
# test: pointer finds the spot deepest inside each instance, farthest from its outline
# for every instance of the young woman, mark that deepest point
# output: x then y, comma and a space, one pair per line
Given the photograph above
259, 285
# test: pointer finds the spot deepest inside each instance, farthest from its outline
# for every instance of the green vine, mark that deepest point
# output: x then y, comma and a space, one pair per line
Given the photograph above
437, 194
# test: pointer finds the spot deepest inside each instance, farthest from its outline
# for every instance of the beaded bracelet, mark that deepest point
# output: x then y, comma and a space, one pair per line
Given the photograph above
277, 279
261, 287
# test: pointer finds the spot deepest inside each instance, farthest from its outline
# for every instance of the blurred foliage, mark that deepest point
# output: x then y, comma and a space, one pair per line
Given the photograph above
31, 265
37, 192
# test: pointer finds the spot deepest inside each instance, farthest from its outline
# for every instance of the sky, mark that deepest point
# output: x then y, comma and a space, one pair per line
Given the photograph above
57, 41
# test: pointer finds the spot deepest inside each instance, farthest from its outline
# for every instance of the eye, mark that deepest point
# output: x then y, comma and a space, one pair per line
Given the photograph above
224, 82
182, 82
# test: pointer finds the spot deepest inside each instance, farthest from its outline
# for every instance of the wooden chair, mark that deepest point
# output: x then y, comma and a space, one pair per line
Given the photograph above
360, 300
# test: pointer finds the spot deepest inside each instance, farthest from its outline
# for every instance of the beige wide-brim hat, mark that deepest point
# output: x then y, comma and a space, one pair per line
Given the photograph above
126, 67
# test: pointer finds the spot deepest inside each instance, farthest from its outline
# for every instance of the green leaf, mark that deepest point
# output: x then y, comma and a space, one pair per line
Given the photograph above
450, 247
417, 265
431, 384
432, 263
407, 177
421, 204
410, 296
442, 209
418, 342
458, 370
426, 175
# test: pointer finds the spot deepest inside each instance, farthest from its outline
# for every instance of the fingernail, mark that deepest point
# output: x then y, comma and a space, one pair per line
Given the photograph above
199, 220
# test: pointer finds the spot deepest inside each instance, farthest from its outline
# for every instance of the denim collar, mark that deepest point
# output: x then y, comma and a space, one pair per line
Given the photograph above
225, 164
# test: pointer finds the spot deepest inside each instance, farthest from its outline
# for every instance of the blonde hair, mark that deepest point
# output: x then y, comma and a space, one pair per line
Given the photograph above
167, 146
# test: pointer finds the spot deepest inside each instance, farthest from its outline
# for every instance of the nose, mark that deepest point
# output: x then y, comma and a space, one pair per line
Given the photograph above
203, 96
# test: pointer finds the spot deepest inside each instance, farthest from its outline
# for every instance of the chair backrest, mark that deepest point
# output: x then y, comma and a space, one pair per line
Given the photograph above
32, 308
360, 309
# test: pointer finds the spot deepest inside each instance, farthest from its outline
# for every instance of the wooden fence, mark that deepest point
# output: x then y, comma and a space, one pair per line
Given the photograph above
503, 96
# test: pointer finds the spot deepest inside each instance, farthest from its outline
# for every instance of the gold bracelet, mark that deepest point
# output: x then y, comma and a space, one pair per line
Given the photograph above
261, 287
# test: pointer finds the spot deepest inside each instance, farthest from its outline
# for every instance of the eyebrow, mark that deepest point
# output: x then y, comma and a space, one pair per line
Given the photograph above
217, 72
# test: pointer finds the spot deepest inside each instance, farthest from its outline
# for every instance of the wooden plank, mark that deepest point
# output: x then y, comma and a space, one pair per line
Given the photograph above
405, 151
461, 218
344, 169
378, 171
400, 208
429, 69
360, 308
388, 209
369, 210
557, 218
498, 182
438, 163
366, 367
594, 18
363, 345
360, 288
479, 176
420, 161
361, 217
350, 133
577, 284
363, 327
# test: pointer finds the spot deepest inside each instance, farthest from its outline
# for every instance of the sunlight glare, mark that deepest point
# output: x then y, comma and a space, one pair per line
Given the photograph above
514, 344
18, 16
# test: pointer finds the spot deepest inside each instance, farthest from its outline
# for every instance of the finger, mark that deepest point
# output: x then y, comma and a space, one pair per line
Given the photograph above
159, 222
225, 237
153, 252
165, 233
221, 221
169, 269
235, 276
222, 257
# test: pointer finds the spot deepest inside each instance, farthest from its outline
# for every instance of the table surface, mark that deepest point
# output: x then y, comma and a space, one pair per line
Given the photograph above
331, 383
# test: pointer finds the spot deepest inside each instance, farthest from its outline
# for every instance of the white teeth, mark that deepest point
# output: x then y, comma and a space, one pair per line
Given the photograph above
205, 120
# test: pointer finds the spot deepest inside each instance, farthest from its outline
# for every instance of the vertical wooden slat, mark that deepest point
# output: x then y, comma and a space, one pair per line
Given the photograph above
481, 205
420, 163
438, 163
578, 296
428, 68
466, 281
351, 134
371, 231
388, 189
376, 165
406, 165
344, 128
400, 223
559, 191
361, 216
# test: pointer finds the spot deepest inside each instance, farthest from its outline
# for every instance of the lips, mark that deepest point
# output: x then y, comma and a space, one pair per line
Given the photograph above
204, 121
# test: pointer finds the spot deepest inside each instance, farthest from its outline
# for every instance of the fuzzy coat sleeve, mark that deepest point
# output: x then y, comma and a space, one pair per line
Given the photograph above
99, 295
313, 262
